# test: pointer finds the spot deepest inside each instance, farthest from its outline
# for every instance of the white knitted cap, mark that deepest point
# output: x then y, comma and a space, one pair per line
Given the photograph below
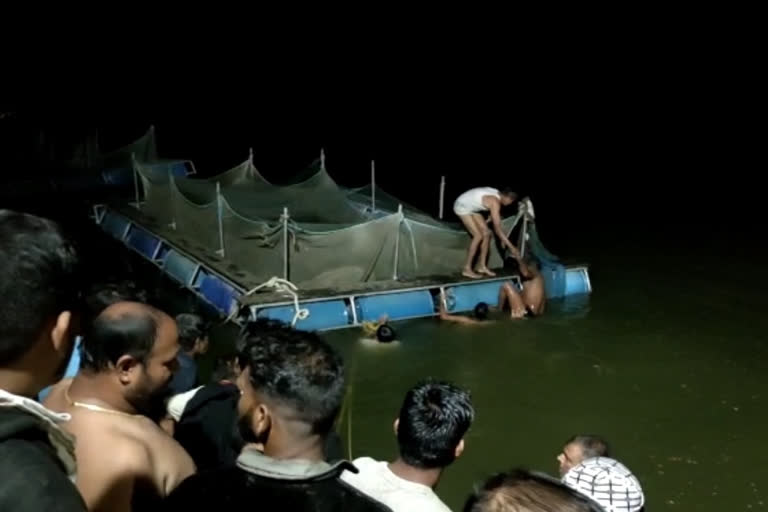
608, 482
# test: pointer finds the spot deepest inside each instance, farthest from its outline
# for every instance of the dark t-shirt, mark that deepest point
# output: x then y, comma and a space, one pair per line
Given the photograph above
32, 479
185, 377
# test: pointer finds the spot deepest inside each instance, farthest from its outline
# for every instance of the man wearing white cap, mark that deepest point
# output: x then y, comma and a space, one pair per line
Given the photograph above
608, 482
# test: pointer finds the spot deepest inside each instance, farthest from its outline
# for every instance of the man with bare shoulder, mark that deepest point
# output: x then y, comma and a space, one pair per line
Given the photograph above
470, 207
125, 461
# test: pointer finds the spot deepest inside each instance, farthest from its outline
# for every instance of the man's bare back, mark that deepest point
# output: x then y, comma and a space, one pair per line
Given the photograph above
122, 458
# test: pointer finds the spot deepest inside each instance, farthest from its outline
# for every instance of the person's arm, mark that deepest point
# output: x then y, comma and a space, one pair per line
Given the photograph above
459, 319
495, 207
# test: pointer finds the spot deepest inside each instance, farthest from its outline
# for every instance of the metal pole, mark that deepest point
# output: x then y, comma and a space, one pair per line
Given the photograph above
135, 180
523, 233
219, 209
322, 159
172, 187
397, 241
442, 196
285, 243
373, 186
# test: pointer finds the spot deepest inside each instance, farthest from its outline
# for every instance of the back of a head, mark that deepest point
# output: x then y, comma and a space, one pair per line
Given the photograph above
39, 279
121, 329
385, 333
101, 295
524, 491
191, 328
591, 445
507, 191
433, 420
481, 311
295, 369
225, 368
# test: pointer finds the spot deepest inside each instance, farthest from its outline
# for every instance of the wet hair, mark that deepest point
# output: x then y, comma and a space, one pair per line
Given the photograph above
39, 279
524, 491
296, 369
591, 446
191, 328
507, 191
112, 336
481, 311
385, 333
433, 420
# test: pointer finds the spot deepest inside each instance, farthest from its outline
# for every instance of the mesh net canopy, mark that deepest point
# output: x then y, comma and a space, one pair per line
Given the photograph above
324, 235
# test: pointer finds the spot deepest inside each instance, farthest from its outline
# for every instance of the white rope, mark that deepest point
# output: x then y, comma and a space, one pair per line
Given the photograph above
284, 286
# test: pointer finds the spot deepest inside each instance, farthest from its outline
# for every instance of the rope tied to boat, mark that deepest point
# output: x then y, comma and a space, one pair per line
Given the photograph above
284, 286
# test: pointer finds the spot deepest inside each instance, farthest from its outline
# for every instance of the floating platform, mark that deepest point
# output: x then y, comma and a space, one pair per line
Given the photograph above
225, 287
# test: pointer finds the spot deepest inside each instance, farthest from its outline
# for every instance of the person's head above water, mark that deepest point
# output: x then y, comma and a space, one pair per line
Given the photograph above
433, 420
508, 196
481, 311
385, 333
580, 448
131, 349
525, 491
292, 385
40, 283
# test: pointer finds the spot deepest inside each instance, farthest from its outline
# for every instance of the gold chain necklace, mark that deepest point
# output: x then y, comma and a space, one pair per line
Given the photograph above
93, 407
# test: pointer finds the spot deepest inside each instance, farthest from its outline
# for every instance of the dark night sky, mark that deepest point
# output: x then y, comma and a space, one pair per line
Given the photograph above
614, 132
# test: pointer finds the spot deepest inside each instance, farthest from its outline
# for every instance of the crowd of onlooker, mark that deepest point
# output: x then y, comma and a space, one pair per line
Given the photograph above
101, 409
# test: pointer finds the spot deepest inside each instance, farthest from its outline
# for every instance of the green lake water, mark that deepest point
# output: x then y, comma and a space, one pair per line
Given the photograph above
666, 359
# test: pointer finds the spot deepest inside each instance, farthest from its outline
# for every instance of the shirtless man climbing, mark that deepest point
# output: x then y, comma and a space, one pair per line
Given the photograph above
125, 461
469, 207
532, 299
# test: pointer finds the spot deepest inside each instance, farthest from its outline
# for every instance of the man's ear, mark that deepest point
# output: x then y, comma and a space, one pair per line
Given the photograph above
396, 425
261, 422
459, 449
126, 368
61, 332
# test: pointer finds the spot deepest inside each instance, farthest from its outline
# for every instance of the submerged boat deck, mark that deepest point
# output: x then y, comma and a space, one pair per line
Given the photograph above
225, 286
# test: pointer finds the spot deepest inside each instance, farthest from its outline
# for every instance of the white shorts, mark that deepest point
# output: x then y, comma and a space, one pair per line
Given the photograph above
460, 208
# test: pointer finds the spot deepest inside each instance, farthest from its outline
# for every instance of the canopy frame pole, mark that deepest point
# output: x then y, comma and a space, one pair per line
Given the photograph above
322, 159
172, 187
220, 216
523, 235
285, 242
135, 180
397, 242
442, 197
373, 186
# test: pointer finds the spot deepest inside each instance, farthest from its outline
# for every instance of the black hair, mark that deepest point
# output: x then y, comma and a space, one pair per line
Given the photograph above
507, 191
101, 295
224, 368
297, 369
385, 333
191, 328
39, 279
521, 489
112, 336
433, 420
591, 445
481, 311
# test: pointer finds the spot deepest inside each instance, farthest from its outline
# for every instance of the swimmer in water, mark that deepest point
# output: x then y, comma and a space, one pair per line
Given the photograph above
479, 314
380, 331
534, 295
